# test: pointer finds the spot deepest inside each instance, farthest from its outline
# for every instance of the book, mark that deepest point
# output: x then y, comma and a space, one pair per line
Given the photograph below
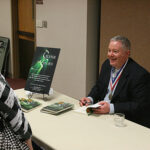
42, 70
90, 108
28, 104
87, 109
57, 108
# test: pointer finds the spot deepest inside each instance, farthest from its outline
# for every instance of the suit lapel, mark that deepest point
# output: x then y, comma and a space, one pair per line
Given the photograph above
122, 80
107, 78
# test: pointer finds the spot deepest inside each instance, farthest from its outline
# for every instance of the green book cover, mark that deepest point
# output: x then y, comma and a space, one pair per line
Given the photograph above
28, 104
42, 70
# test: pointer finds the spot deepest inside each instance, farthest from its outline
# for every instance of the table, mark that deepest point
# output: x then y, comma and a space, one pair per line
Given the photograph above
76, 131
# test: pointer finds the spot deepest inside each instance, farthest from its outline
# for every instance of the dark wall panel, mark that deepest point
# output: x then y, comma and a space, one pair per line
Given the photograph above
26, 52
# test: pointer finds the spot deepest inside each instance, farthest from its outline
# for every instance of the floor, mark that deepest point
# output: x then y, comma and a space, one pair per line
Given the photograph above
16, 83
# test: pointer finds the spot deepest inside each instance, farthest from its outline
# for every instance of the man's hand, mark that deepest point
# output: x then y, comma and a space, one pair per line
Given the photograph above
85, 101
103, 109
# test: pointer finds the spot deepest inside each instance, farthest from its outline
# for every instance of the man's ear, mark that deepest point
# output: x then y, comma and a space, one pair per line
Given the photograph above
128, 52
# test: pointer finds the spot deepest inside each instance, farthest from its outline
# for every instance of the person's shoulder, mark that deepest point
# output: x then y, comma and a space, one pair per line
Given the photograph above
106, 63
136, 68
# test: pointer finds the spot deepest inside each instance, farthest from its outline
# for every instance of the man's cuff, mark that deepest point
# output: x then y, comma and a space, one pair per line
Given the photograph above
90, 99
111, 108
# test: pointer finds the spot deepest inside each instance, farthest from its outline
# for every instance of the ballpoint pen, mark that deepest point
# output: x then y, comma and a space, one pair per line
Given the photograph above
85, 102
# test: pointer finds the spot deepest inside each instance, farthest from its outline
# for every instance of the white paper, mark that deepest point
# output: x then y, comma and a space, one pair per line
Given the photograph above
81, 110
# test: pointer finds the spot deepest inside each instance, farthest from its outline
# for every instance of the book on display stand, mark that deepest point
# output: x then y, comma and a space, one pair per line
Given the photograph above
42, 70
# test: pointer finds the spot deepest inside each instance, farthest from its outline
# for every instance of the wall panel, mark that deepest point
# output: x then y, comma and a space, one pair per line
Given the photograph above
130, 18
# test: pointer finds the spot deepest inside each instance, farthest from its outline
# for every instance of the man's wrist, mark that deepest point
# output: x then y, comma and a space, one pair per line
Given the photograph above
90, 99
111, 108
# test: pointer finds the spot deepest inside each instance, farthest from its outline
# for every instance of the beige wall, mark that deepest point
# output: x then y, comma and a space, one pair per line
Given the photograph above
73, 26
67, 29
5, 23
130, 18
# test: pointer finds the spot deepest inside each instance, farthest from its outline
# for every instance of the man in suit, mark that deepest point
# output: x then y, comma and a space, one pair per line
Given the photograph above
123, 85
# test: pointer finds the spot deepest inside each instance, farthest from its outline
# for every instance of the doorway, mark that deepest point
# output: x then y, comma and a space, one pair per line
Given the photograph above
24, 39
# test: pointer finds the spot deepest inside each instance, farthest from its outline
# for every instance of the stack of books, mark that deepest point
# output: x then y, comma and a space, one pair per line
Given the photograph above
57, 108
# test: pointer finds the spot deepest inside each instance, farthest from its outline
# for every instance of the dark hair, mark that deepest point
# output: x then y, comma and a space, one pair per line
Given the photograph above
125, 42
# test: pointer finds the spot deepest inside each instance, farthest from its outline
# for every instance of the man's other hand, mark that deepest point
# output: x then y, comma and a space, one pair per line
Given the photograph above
103, 109
84, 101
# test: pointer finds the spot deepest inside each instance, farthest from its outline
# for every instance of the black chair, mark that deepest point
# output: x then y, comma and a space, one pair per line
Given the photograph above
4, 55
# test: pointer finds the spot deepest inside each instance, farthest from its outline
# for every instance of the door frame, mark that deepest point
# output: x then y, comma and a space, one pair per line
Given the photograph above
15, 40
15, 37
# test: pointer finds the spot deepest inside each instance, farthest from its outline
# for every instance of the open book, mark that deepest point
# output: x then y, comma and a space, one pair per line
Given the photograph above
87, 109
28, 104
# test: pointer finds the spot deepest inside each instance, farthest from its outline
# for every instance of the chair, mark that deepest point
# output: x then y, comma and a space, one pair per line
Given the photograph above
4, 55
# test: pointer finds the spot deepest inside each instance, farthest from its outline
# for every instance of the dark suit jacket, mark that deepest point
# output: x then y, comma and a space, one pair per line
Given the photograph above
132, 92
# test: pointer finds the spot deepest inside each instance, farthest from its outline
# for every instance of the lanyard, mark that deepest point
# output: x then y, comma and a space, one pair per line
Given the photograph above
114, 81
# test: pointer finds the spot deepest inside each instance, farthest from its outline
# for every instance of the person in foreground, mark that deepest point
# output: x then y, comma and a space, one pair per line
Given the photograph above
15, 131
123, 85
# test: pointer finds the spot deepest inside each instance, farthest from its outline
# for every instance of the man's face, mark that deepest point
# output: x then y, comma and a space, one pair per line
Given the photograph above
117, 55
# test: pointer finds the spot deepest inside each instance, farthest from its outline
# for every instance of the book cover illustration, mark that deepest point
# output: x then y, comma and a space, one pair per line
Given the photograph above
57, 108
28, 104
42, 70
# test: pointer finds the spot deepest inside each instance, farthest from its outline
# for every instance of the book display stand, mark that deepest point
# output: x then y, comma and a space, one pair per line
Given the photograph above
30, 94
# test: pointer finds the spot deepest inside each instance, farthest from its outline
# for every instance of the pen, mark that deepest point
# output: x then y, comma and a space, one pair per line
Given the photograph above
85, 102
